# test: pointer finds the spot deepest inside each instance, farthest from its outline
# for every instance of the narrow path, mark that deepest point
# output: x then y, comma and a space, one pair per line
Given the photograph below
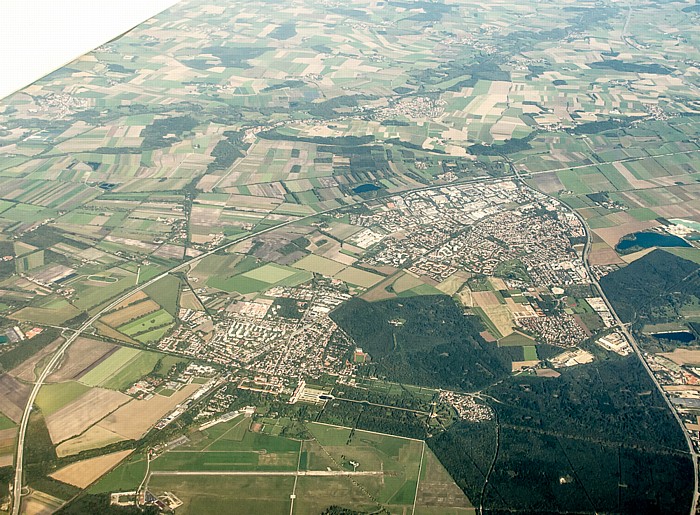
420, 471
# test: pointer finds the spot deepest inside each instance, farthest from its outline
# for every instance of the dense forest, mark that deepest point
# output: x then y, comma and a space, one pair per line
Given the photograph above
652, 288
425, 341
596, 439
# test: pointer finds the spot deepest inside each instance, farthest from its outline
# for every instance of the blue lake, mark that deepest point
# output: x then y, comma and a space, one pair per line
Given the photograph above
676, 336
648, 239
364, 188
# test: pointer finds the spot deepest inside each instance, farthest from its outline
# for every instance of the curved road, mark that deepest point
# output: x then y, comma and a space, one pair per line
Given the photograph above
17, 488
630, 338
19, 461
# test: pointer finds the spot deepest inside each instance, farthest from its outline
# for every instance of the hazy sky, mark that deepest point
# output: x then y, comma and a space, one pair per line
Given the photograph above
39, 36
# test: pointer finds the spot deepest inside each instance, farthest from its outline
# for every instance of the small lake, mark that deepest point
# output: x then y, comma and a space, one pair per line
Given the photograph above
364, 188
676, 336
647, 239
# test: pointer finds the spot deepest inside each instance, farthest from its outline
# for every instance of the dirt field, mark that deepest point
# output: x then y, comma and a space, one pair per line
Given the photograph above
136, 418
519, 365
602, 254
612, 235
548, 182
485, 299
76, 417
7, 460
105, 330
132, 299
684, 356
80, 356
25, 371
39, 503
83, 473
132, 312
13, 397
93, 438
452, 284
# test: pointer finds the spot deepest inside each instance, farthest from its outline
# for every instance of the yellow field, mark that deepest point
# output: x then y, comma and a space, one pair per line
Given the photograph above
39, 503
684, 356
76, 417
320, 265
358, 277
7, 441
132, 312
83, 473
452, 284
406, 282
612, 235
93, 438
188, 300
133, 298
133, 420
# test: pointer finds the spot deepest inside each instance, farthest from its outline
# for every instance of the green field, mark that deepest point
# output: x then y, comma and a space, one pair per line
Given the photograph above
320, 265
529, 353
270, 273
140, 365
126, 476
121, 369
231, 446
147, 323
152, 336
54, 396
166, 293
209, 495
109, 367
329, 435
5, 423
239, 283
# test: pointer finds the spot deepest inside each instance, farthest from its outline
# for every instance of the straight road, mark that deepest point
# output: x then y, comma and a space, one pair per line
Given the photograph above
56, 357
290, 473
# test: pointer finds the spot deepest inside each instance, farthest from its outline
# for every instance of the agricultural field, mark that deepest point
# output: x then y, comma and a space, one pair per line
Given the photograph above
430, 193
83, 473
233, 447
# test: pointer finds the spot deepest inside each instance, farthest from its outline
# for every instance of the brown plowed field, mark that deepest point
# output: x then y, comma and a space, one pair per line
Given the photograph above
82, 355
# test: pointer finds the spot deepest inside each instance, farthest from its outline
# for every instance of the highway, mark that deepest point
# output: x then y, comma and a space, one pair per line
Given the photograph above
56, 357
19, 460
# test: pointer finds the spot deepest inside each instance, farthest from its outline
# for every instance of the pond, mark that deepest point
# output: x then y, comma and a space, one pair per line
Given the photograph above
676, 336
648, 239
364, 188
